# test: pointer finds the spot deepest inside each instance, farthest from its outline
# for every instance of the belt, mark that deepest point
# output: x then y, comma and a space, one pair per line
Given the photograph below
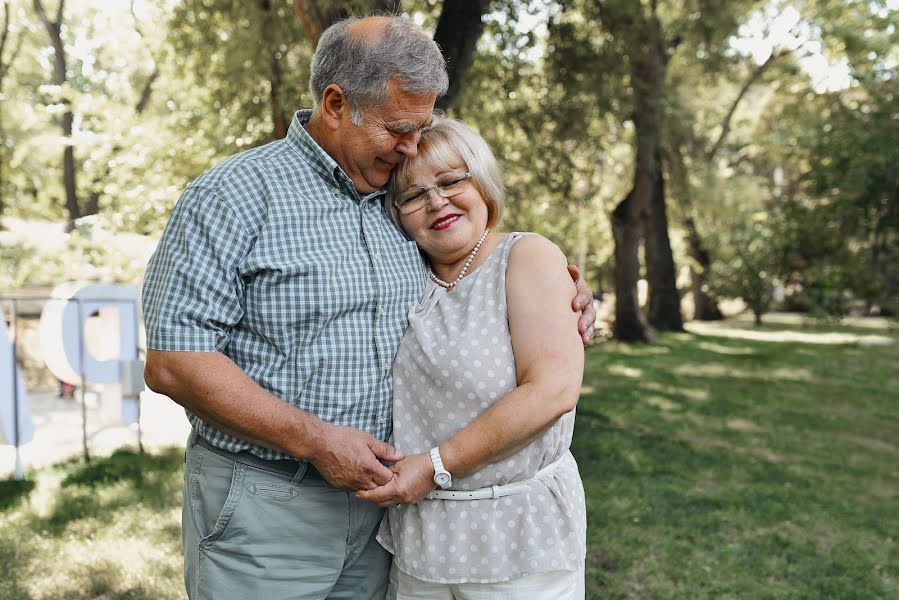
285, 466
496, 491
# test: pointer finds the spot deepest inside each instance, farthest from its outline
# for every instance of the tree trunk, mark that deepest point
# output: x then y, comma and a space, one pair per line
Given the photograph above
705, 306
457, 34
60, 77
279, 120
316, 16
661, 274
5, 65
647, 72
630, 324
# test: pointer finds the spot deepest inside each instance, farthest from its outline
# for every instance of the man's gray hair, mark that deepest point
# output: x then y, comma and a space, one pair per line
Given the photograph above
363, 67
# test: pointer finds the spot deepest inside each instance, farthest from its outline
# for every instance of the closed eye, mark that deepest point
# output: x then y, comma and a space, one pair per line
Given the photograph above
451, 183
412, 196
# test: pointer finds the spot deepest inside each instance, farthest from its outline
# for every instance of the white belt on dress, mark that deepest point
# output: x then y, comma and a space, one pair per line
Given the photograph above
496, 491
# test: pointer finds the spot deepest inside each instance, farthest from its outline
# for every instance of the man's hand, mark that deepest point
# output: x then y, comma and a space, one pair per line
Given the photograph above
413, 479
349, 459
583, 302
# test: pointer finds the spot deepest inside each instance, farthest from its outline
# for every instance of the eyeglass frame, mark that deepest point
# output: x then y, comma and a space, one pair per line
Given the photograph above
427, 194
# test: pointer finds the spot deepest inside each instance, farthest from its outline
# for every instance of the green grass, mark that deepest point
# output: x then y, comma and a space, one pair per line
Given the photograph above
108, 529
719, 467
715, 467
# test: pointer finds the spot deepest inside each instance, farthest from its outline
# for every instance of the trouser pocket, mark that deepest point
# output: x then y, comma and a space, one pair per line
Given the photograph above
214, 485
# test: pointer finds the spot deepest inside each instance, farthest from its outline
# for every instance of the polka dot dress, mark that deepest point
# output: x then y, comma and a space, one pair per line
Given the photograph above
454, 362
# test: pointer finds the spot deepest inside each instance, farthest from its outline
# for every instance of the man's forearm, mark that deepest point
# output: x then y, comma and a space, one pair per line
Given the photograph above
211, 386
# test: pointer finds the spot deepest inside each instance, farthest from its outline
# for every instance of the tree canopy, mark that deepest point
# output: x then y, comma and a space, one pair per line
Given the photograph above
715, 149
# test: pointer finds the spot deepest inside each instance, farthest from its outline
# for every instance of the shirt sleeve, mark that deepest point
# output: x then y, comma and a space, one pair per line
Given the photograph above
193, 293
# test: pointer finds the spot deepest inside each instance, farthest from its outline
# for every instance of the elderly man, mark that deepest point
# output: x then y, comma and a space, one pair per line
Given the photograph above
274, 306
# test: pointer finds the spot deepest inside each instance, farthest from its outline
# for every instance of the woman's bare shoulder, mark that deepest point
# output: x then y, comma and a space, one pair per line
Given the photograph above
535, 250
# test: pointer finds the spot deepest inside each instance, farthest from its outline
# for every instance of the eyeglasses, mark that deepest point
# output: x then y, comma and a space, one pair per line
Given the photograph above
449, 185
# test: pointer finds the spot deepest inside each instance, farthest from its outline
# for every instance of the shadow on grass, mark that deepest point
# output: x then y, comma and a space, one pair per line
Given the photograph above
105, 486
12, 491
125, 465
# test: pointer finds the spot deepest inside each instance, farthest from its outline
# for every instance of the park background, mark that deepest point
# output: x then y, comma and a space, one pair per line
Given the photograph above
724, 172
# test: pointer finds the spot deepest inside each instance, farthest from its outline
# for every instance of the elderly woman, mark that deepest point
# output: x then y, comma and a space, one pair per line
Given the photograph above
488, 501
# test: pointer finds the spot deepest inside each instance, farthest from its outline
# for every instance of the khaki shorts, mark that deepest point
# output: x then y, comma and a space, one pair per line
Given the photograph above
249, 533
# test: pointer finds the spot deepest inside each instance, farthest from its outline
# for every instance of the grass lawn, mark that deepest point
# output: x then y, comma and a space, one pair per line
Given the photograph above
740, 463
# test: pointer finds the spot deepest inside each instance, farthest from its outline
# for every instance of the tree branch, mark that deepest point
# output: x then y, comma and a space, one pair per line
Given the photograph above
5, 28
5, 66
148, 85
725, 125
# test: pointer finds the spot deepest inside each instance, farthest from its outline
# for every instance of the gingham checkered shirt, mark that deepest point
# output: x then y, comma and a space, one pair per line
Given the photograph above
272, 258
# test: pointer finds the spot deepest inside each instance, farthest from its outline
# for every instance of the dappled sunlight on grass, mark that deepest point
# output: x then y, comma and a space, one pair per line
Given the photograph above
694, 394
722, 370
785, 335
636, 349
662, 403
624, 371
751, 469
873, 444
107, 529
718, 348
743, 425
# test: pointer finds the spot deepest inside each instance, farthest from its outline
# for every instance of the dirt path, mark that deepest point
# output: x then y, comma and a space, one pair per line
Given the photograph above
58, 436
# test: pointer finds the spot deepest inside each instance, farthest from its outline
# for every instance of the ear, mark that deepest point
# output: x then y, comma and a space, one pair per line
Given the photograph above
334, 106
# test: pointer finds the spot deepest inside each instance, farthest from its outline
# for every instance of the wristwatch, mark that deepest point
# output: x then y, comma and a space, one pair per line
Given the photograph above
441, 476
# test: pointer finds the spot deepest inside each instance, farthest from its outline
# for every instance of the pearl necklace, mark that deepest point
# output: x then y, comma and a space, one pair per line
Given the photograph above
450, 285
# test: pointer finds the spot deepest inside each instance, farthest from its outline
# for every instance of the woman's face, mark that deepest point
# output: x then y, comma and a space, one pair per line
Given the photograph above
445, 228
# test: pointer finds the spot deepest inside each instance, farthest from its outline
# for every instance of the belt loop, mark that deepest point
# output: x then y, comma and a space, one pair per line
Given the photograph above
301, 472
495, 489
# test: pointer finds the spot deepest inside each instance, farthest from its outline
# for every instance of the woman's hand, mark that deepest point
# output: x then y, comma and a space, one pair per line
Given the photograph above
413, 478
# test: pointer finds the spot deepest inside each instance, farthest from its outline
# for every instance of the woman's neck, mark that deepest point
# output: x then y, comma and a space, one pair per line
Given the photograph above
449, 268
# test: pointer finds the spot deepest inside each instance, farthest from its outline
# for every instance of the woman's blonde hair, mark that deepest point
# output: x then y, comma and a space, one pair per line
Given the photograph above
450, 144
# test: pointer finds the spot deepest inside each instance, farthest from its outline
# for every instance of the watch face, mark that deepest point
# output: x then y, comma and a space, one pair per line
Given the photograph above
442, 479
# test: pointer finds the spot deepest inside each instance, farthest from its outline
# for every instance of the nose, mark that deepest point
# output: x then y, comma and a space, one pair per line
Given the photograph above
408, 144
435, 200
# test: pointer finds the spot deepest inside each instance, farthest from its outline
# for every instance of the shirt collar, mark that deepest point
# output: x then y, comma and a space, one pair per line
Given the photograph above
321, 161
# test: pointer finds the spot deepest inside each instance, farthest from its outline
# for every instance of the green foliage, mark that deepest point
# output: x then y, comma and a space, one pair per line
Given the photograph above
550, 90
840, 163
232, 53
88, 254
750, 264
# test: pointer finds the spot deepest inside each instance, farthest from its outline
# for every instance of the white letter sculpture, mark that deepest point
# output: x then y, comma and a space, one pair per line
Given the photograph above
9, 397
64, 319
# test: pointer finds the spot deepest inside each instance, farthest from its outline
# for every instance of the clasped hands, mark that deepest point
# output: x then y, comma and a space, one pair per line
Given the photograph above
351, 460
413, 478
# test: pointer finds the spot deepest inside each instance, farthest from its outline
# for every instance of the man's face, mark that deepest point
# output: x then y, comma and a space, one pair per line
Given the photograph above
389, 132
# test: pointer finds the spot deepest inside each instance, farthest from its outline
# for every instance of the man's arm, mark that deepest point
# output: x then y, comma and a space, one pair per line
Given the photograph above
211, 386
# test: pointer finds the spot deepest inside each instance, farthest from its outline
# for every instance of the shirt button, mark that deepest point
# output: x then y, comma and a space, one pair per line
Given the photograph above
381, 419
386, 366
381, 311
